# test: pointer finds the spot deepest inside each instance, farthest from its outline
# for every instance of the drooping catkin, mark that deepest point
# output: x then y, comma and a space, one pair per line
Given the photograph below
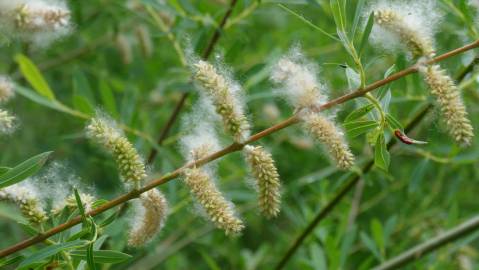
331, 137
27, 200
130, 164
40, 21
449, 99
225, 96
6, 121
6, 89
150, 220
267, 179
219, 210
417, 43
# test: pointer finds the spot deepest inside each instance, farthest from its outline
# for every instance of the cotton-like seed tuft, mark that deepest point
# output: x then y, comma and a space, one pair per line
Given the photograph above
71, 203
151, 218
300, 86
331, 137
405, 25
27, 200
449, 99
130, 164
226, 98
6, 89
40, 21
7, 121
267, 179
219, 210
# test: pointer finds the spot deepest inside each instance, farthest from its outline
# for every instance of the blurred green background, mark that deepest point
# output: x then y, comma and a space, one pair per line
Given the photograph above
427, 190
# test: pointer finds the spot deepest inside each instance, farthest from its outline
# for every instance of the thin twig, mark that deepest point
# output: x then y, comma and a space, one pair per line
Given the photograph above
439, 241
230, 149
206, 54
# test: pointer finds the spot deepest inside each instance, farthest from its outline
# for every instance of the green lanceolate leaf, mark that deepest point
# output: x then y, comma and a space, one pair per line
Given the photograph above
358, 113
102, 256
34, 77
4, 170
23, 170
381, 154
393, 122
49, 251
359, 127
366, 33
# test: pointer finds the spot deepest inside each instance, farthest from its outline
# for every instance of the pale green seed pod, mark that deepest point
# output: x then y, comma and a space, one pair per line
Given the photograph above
219, 210
449, 99
418, 44
324, 130
267, 179
150, 220
27, 201
222, 95
130, 164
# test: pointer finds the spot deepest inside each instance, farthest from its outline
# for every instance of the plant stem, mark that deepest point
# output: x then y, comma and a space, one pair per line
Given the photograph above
420, 250
230, 149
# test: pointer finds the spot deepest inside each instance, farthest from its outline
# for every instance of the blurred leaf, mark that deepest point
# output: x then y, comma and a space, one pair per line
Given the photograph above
34, 77
366, 33
357, 16
102, 256
49, 251
108, 99
209, 261
369, 243
82, 104
23, 170
358, 113
393, 122
4, 170
381, 154
378, 235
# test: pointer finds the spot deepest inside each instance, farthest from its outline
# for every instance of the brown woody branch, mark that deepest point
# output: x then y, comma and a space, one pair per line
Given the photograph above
230, 149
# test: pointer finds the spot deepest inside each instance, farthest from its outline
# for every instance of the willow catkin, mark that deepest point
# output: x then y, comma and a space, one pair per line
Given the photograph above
6, 121
71, 203
267, 179
219, 210
449, 99
150, 220
417, 43
27, 200
130, 164
6, 89
224, 97
331, 137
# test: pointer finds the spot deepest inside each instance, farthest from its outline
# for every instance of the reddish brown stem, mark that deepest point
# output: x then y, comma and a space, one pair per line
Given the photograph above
230, 149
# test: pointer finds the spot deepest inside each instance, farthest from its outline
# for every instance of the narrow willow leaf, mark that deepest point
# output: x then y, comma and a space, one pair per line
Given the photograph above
369, 243
23, 170
34, 77
393, 122
90, 259
108, 99
356, 128
102, 256
4, 170
378, 234
381, 154
5, 262
358, 113
366, 33
50, 251
357, 17
82, 104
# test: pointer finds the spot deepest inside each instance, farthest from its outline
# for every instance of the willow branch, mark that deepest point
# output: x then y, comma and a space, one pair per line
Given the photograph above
230, 149
205, 55
439, 241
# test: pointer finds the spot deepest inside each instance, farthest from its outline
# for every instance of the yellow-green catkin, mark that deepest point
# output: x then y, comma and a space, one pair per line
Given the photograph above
219, 210
331, 137
150, 220
71, 203
449, 99
222, 94
267, 179
130, 164
27, 201
418, 44
6, 121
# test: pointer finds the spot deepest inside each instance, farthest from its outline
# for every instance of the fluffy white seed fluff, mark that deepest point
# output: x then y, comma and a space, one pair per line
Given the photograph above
71, 203
26, 197
39, 21
105, 132
6, 89
226, 96
300, 85
149, 218
405, 25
